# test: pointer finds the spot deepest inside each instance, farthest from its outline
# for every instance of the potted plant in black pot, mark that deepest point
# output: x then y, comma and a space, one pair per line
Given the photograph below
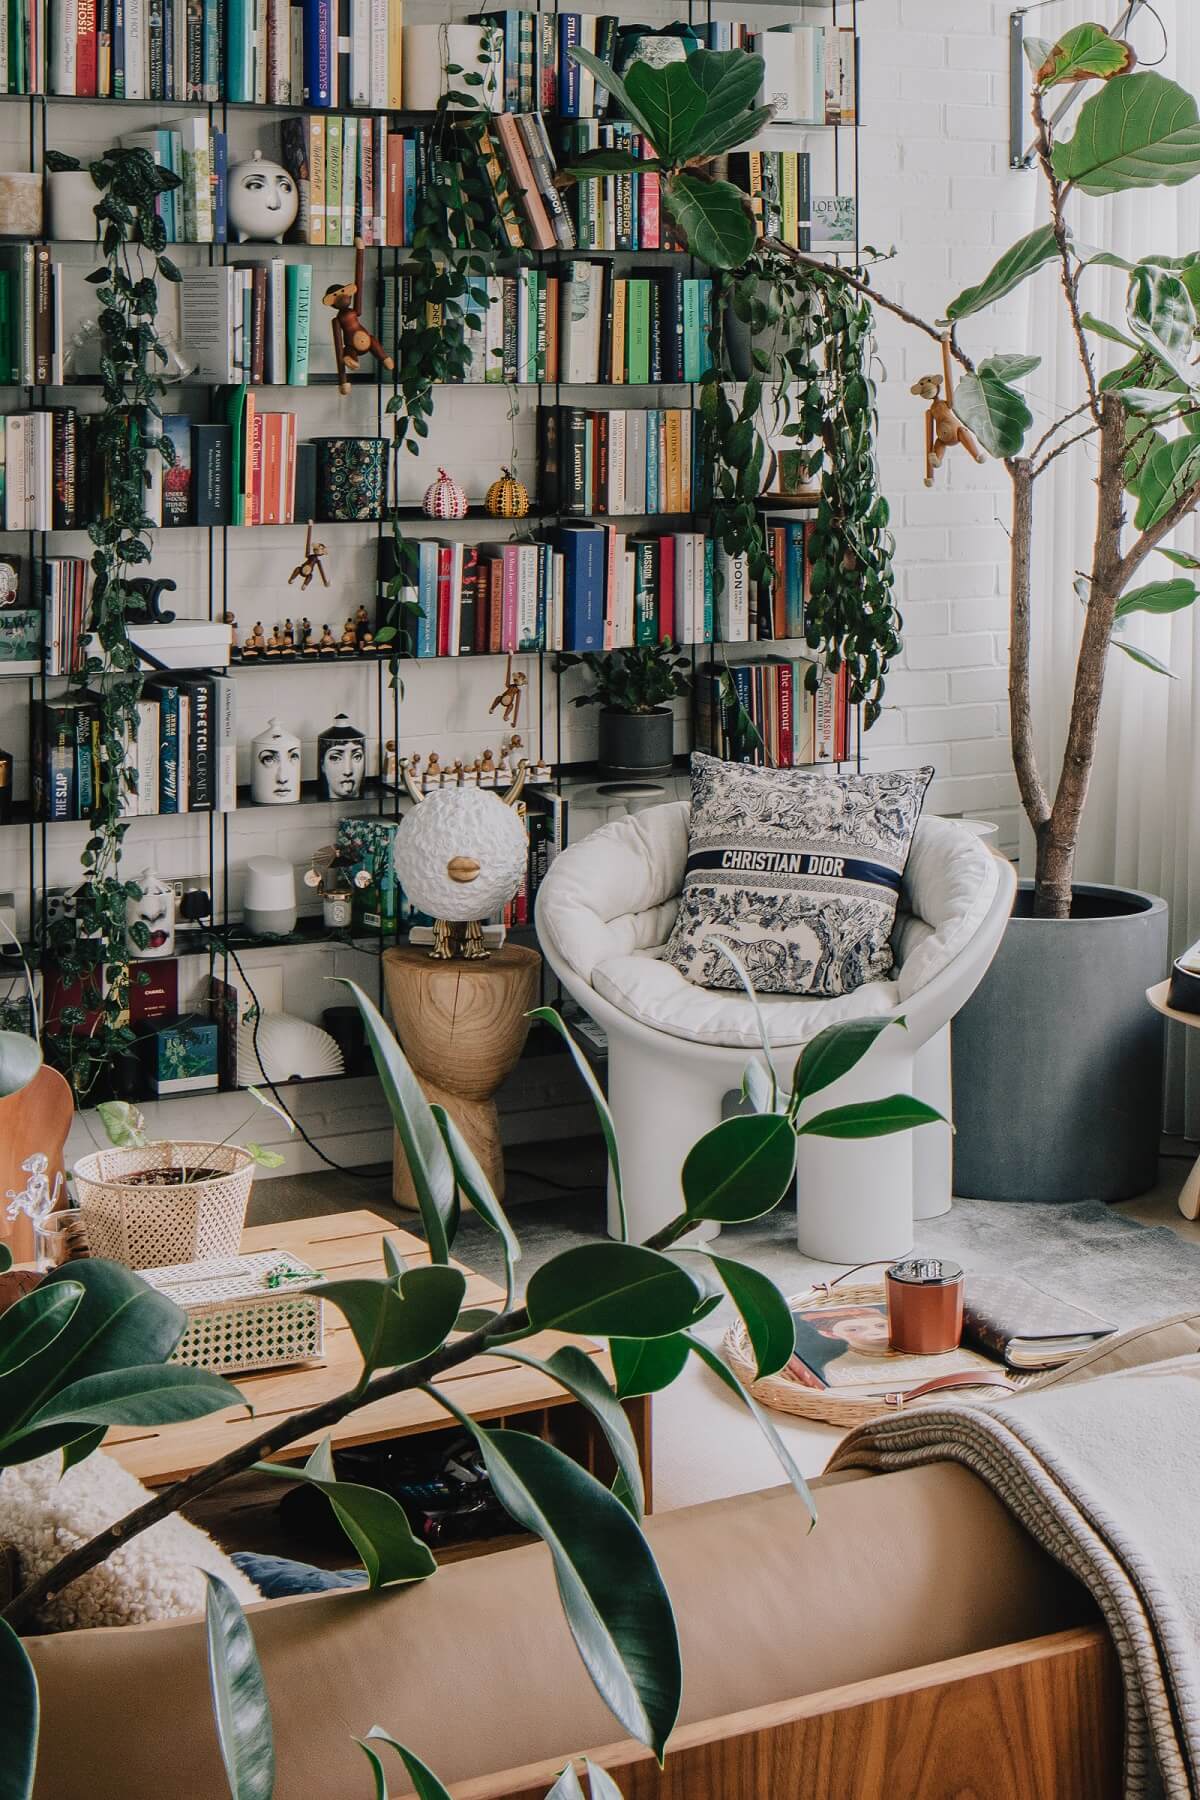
633, 689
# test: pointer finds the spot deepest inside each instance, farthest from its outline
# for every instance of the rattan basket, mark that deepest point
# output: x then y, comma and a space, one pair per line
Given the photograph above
236, 1322
151, 1224
840, 1408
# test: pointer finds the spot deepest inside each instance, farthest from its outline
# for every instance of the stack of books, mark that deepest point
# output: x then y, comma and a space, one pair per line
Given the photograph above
248, 322
31, 316
795, 727
320, 53
184, 750
810, 73
195, 212
779, 185
38, 471
622, 462
61, 583
619, 212
354, 178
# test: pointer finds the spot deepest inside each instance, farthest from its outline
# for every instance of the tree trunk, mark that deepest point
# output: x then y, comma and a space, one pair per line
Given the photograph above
1057, 844
1020, 712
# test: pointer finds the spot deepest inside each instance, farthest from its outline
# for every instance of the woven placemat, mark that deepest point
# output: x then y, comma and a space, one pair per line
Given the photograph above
837, 1407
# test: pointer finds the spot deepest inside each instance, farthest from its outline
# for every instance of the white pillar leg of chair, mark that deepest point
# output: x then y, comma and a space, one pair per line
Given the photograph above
933, 1145
854, 1196
660, 1107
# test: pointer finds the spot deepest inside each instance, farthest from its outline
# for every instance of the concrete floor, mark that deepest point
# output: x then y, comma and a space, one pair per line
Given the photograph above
706, 1445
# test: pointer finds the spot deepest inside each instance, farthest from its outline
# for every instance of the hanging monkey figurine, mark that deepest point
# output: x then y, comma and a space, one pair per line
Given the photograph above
351, 339
943, 427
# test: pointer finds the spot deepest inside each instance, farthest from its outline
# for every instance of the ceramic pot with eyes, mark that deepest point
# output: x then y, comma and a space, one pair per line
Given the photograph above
263, 201
275, 766
341, 760
156, 911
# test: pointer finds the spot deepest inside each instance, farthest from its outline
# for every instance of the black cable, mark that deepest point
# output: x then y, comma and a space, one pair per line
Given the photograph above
216, 941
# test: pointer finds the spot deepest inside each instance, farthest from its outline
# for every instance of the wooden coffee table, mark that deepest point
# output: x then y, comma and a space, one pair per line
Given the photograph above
349, 1245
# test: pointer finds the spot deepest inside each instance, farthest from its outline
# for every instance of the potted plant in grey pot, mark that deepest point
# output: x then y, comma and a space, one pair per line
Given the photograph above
633, 689
1057, 1057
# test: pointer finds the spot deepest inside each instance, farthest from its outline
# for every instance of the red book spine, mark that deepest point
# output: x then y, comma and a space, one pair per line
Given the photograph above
666, 587
85, 48
649, 224
508, 622
779, 587
443, 600
786, 726
256, 471
599, 428
270, 474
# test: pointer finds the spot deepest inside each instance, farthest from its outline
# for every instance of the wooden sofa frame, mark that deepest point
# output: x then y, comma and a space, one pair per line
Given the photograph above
1038, 1720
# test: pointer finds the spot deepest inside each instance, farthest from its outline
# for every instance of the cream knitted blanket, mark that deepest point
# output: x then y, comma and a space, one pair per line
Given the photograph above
1100, 1462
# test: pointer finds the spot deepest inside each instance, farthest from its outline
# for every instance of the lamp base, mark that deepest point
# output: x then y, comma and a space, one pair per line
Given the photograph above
454, 938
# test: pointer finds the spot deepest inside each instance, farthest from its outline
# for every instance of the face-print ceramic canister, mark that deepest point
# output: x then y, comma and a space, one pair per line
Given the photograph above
263, 201
275, 766
156, 911
341, 760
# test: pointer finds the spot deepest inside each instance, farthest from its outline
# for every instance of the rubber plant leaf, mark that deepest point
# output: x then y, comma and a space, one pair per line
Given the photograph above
33, 1323
708, 1356
740, 1169
575, 1371
612, 1290
833, 1053
764, 1312
398, 1321
548, 1016
240, 1705
646, 1365
375, 1522
872, 1118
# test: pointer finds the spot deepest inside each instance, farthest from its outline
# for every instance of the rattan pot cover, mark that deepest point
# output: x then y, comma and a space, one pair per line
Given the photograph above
444, 499
145, 1225
507, 498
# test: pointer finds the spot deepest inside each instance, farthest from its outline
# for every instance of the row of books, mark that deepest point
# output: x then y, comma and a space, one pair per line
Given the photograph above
248, 322
197, 211
354, 178
251, 470
321, 53
183, 749
778, 721
60, 590
779, 186
31, 315
591, 324
619, 461
810, 73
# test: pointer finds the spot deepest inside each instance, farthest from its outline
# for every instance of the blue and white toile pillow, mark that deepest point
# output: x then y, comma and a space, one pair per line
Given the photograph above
798, 873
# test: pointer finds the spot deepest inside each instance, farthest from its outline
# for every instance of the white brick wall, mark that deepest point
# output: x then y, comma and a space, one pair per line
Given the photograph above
934, 181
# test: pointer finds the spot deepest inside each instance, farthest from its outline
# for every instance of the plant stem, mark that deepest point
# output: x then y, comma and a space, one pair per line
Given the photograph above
23, 1609
875, 297
1020, 711
1058, 224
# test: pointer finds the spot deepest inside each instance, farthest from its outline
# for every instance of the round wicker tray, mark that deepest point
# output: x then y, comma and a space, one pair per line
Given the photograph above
827, 1405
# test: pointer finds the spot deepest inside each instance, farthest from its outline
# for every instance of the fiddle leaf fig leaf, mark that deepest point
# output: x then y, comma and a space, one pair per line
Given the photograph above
592, 164
713, 216
1101, 328
1085, 53
1139, 132
1015, 266
997, 414
1143, 658
1161, 316
608, 78
1158, 597
1168, 473
672, 103
1009, 368
1183, 558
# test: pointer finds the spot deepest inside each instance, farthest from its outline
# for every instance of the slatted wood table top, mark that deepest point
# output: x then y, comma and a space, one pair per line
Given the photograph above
346, 1245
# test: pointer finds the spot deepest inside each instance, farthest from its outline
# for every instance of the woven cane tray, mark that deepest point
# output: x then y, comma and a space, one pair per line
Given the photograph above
858, 1307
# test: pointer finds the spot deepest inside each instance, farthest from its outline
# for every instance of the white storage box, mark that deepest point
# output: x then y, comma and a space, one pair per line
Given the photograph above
236, 1319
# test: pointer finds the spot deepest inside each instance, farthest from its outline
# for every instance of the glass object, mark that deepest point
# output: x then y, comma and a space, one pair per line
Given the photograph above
58, 1238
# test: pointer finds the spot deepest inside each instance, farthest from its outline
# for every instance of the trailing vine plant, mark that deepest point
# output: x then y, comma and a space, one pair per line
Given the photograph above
89, 947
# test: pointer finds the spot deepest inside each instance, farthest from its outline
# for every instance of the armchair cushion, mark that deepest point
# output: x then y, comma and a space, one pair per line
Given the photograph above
608, 904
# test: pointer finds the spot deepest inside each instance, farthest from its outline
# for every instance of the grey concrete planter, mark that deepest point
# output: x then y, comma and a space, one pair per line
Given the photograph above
1057, 1056
636, 743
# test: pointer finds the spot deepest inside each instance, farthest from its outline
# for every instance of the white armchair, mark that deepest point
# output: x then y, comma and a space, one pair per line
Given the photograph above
675, 1050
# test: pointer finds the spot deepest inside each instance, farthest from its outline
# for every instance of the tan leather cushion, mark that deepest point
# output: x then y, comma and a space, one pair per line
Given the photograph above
476, 1671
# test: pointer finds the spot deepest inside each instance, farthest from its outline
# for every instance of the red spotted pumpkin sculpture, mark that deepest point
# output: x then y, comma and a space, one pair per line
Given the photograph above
507, 498
444, 499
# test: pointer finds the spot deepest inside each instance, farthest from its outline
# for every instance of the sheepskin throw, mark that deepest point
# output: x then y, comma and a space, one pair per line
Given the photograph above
158, 1575
798, 873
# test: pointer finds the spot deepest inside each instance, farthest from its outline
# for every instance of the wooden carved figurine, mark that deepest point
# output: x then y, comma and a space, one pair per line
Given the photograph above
308, 648
361, 622
943, 427
310, 563
351, 339
509, 698
349, 643
327, 647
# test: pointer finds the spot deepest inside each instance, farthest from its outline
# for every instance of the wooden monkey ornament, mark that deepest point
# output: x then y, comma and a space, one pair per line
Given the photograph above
351, 339
943, 427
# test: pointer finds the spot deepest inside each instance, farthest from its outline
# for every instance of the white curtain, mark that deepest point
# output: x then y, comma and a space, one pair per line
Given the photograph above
1145, 790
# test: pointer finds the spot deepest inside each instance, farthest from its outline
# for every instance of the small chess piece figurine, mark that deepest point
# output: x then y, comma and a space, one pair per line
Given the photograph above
349, 643
367, 643
487, 770
433, 771
275, 643
351, 339
470, 775
542, 773
456, 773
289, 635
307, 647
389, 762
327, 647
361, 621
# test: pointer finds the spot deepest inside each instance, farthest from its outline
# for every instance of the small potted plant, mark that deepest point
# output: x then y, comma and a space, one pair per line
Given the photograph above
148, 1204
633, 689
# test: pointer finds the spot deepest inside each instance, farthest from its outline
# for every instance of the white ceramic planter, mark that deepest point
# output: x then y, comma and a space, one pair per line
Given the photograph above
71, 197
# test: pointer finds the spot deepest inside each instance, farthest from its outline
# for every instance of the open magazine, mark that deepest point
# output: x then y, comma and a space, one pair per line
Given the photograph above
844, 1349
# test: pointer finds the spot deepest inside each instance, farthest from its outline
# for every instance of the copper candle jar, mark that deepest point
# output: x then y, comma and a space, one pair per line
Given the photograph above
924, 1305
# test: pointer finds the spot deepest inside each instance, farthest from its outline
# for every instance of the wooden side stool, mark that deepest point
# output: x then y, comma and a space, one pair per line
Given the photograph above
462, 1026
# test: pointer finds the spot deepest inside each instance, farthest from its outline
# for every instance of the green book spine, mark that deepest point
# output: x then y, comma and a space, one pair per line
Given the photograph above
8, 360
645, 592
693, 345
298, 278
637, 332
235, 407
333, 179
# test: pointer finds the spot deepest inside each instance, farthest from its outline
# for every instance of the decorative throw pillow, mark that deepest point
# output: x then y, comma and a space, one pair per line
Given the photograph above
798, 873
157, 1575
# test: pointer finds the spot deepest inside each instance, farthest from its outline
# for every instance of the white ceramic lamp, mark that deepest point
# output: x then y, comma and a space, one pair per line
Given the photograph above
156, 911
263, 201
269, 905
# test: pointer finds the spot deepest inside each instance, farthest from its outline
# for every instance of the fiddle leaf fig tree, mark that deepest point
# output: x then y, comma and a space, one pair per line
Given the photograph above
88, 1348
1137, 425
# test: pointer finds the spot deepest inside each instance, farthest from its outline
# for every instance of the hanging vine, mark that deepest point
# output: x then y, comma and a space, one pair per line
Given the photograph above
88, 948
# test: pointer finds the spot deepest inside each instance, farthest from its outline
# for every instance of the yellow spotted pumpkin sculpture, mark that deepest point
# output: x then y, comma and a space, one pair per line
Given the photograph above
507, 498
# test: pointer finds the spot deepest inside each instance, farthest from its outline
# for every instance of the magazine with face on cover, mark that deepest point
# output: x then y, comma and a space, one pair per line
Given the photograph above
846, 1348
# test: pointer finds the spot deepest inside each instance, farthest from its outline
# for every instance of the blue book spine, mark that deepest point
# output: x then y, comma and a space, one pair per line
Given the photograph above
84, 795
706, 314
170, 153
318, 53
427, 595
745, 692
220, 147
583, 589
410, 188
568, 68
118, 50
795, 578
236, 73
210, 53
708, 590
168, 749
545, 582
652, 479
